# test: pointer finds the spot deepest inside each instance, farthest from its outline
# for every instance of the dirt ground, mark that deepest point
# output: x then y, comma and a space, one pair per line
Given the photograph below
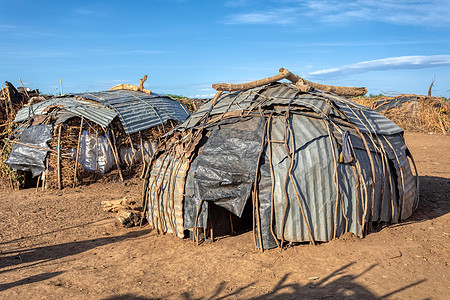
62, 245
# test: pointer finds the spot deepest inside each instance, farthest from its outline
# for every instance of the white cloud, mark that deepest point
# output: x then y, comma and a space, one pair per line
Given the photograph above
83, 12
282, 16
236, 3
8, 27
415, 12
390, 63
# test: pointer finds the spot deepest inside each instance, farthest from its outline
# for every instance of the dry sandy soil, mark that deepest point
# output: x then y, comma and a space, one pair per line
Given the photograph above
62, 245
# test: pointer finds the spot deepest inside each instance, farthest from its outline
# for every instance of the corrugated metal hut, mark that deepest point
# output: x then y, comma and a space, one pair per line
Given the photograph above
90, 133
296, 166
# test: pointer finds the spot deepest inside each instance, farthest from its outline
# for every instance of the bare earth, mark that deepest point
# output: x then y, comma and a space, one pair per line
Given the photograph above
62, 245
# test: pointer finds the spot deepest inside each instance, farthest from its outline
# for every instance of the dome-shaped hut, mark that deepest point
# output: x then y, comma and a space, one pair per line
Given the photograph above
297, 163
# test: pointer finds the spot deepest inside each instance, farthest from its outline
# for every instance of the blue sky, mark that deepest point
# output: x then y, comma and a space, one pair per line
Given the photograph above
391, 46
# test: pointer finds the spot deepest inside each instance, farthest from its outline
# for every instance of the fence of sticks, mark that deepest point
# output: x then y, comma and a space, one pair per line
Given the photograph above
63, 167
62, 164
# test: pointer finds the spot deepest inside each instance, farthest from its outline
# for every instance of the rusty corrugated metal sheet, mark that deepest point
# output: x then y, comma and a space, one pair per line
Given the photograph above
137, 110
94, 112
165, 195
313, 173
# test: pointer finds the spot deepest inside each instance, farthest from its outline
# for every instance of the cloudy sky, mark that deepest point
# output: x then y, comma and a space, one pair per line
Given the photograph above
389, 46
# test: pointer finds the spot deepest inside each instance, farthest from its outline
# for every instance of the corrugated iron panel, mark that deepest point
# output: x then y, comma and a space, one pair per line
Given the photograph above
313, 173
395, 148
228, 102
369, 121
137, 110
94, 112
165, 195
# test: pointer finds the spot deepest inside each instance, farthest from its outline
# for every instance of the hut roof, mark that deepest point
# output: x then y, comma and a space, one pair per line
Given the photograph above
137, 110
287, 95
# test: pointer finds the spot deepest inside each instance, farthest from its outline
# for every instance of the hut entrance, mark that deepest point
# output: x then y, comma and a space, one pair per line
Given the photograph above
222, 222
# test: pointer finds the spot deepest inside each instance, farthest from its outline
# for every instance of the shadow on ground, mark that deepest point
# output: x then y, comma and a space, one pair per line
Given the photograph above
38, 255
434, 198
28, 280
336, 285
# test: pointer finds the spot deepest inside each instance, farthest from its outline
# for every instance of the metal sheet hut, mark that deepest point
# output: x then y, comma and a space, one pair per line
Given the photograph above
308, 166
89, 133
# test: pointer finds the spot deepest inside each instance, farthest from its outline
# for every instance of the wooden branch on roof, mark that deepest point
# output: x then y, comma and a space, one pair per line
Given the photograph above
306, 86
302, 84
136, 88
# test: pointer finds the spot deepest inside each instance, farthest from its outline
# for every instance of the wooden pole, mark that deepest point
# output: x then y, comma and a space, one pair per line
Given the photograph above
8, 103
24, 88
96, 156
78, 153
37, 185
302, 84
5, 102
58, 157
60, 84
142, 154
114, 149
45, 178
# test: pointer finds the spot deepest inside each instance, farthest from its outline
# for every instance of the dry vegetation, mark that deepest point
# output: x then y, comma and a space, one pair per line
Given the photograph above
426, 114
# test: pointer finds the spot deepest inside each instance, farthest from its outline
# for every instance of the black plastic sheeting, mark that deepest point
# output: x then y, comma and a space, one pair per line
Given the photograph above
224, 171
27, 158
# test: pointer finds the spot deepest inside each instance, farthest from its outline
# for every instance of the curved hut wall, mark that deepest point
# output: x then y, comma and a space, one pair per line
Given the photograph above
313, 166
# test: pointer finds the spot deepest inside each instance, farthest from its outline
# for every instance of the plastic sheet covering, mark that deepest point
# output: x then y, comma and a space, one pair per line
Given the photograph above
88, 153
224, 172
27, 158
130, 156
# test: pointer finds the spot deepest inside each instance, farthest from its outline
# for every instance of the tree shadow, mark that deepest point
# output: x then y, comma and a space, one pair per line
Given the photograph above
28, 280
54, 231
38, 255
337, 285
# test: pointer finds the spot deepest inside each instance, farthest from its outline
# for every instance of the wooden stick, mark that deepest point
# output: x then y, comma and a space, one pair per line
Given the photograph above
306, 86
58, 157
216, 97
37, 185
142, 154
244, 86
78, 153
32, 146
116, 158
136, 88
44, 181
24, 89
96, 156
60, 84
6, 102
302, 84
231, 223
